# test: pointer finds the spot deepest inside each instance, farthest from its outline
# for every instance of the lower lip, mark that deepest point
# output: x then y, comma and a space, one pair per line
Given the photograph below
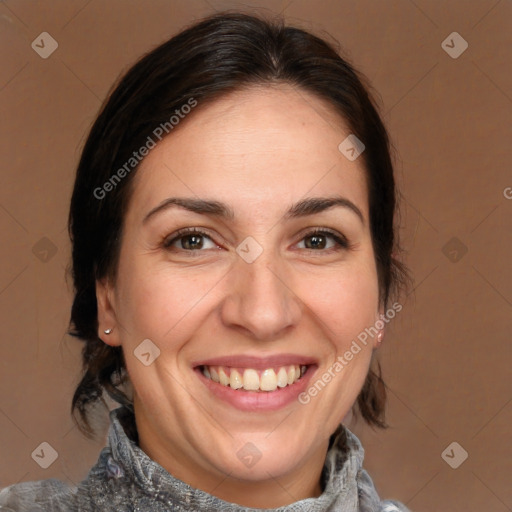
259, 401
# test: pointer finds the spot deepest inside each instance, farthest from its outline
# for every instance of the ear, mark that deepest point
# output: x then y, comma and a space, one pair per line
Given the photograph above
107, 318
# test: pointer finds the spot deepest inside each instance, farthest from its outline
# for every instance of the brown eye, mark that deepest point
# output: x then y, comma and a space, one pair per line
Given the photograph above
316, 242
189, 240
319, 240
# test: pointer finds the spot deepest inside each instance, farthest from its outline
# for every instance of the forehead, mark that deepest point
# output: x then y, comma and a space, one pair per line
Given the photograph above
252, 148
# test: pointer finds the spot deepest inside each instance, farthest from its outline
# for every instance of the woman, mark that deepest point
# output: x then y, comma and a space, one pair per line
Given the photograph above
233, 241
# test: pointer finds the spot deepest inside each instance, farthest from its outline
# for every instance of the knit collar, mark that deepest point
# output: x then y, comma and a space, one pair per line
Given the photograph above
340, 476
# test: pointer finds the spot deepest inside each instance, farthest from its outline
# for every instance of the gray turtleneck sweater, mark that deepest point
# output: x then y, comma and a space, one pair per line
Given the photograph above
126, 479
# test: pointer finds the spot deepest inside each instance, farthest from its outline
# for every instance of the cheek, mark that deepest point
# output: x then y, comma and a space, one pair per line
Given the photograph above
161, 303
344, 306
346, 302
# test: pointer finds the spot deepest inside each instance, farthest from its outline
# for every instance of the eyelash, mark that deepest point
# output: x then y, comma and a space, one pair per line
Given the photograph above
341, 241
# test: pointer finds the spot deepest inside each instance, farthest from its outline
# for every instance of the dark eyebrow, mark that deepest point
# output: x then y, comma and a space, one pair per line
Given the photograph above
303, 208
313, 205
201, 206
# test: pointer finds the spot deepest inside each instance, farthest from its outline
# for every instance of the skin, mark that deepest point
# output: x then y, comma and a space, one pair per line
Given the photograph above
259, 150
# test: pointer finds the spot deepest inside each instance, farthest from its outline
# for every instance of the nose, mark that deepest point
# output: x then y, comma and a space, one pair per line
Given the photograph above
261, 301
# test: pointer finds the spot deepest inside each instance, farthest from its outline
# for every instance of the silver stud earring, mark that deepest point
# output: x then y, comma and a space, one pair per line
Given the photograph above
380, 336
108, 331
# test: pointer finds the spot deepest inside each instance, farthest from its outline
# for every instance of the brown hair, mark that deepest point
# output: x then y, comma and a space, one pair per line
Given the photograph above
220, 54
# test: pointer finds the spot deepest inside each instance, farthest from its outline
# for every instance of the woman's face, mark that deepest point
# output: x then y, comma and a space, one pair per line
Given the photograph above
261, 289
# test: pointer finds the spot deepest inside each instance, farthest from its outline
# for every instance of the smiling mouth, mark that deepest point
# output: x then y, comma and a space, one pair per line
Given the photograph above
249, 379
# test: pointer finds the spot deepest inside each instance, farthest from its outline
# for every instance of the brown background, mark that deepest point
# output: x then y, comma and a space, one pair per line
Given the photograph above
447, 356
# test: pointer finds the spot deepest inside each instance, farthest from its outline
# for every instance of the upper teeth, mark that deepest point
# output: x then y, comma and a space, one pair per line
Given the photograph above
253, 380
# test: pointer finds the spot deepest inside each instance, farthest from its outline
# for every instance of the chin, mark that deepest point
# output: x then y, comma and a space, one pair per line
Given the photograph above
256, 461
